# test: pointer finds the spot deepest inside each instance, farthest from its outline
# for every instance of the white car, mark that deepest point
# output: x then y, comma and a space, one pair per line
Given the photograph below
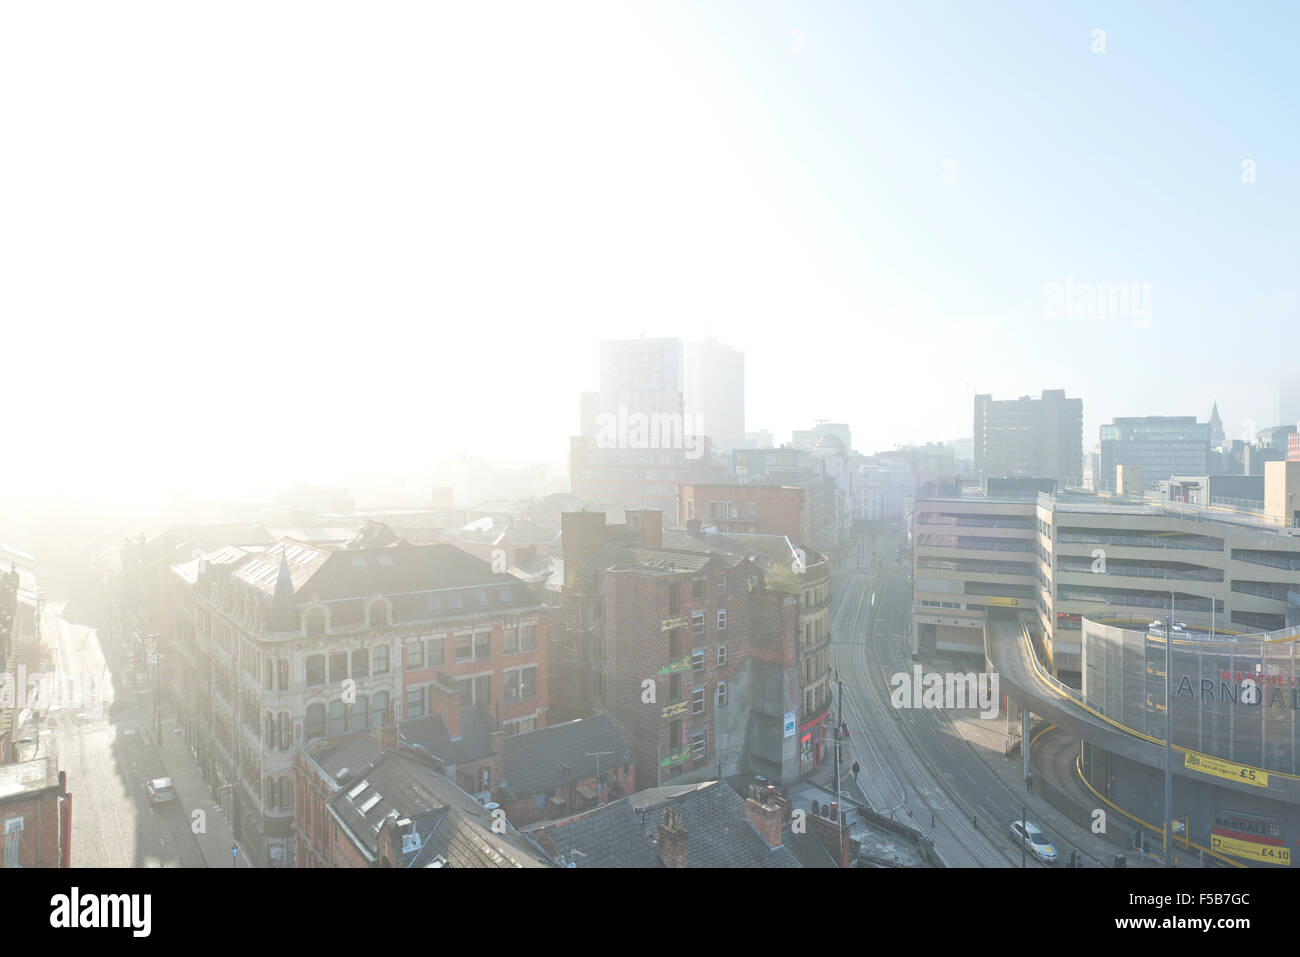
1034, 840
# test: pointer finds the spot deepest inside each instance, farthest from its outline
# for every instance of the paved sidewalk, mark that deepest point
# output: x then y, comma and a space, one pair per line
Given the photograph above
988, 740
216, 838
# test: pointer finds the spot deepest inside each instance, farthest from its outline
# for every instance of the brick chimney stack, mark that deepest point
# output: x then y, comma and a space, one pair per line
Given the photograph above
649, 524
766, 812
672, 838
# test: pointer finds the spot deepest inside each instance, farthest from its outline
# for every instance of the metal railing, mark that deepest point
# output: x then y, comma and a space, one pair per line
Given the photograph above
1207, 575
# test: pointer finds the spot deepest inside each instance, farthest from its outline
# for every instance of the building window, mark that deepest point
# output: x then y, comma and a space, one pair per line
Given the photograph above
528, 638
512, 640
378, 614
282, 667
697, 589
699, 747
464, 648
338, 667
361, 713
521, 683
722, 619
286, 794
722, 585
360, 663
379, 660
722, 694
433, 653
697, 662
466, 686
414, 655
286, 741
315, 721
722, 656
697, 701
483, 645
697, 625
414, 703
454, 601
338, 716
379, 709
316, 622
315, 670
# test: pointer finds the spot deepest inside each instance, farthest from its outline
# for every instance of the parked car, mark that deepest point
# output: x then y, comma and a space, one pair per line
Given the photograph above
1034, 840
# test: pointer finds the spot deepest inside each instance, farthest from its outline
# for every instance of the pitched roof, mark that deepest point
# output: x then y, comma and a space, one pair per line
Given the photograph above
625, 833
400, 785
535, 760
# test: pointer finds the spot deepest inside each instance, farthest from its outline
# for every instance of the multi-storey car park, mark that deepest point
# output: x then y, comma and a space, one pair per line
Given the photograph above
1067, 596
1069, 555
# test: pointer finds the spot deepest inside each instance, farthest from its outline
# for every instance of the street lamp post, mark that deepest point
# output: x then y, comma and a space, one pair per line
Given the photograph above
1169, 779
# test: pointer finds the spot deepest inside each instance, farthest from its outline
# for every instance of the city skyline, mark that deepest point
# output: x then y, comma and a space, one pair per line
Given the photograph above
1104, 212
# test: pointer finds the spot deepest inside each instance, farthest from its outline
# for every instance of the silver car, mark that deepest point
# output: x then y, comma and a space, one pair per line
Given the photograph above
1030, 836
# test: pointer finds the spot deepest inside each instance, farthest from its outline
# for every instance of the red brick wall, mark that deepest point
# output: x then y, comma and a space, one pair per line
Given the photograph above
499, 708
779, 508
637, 604
38, 845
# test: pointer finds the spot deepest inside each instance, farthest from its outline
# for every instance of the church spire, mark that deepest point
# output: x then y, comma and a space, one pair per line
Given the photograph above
284, 610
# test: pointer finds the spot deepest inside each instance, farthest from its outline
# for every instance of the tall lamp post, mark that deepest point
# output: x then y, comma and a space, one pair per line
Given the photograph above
1169, 774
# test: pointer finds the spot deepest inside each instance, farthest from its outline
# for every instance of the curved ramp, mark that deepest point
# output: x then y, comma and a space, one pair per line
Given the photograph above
1009, 652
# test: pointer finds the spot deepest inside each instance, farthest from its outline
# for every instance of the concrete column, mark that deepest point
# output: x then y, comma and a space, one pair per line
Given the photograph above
1024, 740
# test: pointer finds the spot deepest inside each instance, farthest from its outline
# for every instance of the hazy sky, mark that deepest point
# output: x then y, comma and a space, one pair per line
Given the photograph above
243, 243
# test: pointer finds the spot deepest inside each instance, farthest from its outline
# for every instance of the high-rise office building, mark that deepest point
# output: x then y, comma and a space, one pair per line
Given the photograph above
644, 376
1161, 445
1288, 400
715, 392
1038, 438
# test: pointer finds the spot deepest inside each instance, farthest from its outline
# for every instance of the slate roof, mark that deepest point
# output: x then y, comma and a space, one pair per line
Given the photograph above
625, 833
400, 785
430, 733
534, 759
776, 549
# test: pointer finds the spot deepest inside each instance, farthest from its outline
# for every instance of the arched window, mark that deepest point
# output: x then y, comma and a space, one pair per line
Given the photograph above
361, 713
268, 730
268, 791
338, 716
286, 740
315, 721
378, 614
379, 709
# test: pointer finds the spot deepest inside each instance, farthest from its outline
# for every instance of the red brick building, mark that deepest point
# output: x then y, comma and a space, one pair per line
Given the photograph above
35, 814
741, 508
697, 660
364, 801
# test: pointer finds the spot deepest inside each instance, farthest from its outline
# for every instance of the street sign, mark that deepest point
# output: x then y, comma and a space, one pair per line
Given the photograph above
790, 720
